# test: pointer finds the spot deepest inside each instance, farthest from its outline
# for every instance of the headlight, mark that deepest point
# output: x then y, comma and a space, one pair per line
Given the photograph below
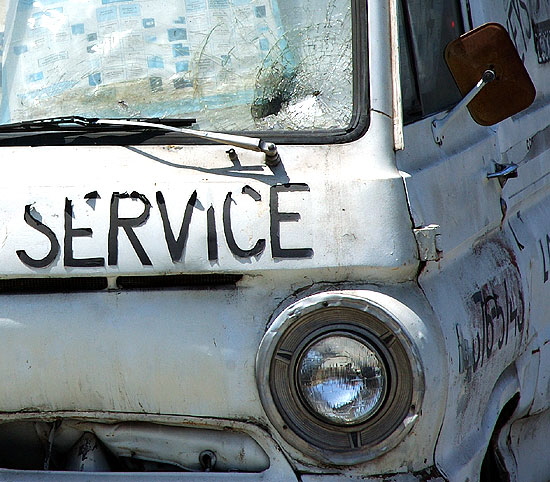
339, 378
342, 379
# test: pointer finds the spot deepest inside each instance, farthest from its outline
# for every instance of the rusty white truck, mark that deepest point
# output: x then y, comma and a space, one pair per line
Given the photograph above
274, 240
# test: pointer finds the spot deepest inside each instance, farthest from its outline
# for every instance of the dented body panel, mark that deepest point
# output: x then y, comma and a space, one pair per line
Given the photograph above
162, 301
491, 238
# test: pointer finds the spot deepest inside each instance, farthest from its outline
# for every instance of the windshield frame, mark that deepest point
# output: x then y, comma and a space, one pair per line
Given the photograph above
358, 125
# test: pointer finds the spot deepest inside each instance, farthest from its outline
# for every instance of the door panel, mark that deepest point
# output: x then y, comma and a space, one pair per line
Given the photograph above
491, 286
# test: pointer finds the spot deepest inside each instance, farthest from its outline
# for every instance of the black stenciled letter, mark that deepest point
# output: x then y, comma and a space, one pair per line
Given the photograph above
176, 246
211, 234
127, 224
277, 218
70, 233
230, 238
46, 231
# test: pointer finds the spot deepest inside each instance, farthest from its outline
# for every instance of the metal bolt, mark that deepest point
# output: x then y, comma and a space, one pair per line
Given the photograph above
207, 459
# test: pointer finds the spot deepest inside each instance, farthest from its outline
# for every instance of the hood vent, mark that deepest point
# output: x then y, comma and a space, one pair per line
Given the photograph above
184, 281
101, 283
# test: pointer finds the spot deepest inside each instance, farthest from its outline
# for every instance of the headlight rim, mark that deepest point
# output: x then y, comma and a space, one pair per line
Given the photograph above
359, 301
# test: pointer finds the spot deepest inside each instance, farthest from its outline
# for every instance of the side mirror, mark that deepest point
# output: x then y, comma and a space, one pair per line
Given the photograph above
490, 48
490, 75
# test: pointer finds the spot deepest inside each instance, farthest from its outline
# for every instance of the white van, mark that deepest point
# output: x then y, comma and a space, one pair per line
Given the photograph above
274, 240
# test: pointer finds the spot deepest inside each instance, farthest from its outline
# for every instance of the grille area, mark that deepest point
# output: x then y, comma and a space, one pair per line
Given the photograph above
52, 285
101, 283
189, 281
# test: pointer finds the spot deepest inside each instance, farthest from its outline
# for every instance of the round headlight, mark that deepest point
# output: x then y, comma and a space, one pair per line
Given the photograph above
342, 379
339, 378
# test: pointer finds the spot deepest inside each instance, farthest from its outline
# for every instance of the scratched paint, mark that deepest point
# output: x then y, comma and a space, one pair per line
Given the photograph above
528, 22
499, 321
518, 24
540, 17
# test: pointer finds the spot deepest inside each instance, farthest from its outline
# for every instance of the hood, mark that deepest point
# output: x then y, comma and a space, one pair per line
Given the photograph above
107, 211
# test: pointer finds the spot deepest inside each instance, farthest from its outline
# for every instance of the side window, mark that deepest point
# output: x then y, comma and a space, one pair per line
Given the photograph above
425, 28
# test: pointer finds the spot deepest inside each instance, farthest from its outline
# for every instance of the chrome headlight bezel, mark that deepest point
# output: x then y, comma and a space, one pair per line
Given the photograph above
347, 314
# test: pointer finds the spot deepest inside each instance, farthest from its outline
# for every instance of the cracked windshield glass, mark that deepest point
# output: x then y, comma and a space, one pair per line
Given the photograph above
232, 65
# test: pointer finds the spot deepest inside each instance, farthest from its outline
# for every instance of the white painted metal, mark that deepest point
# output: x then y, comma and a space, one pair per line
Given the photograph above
53, 175
476, 313
489, 288
190, 354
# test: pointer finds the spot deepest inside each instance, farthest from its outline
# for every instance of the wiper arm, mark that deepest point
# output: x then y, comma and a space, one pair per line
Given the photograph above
250, 143
75, 122
79, 123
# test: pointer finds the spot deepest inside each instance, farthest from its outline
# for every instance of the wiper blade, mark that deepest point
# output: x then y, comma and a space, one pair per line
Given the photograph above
75, 122
84, 124
272, 157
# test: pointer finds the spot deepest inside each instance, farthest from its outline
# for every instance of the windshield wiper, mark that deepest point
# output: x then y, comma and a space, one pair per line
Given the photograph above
75, 122
250, 143
79, 123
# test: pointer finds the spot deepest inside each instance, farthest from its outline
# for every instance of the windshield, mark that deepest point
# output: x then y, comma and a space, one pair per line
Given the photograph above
233, 65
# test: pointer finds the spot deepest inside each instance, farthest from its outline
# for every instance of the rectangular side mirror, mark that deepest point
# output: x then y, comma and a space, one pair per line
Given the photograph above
490, 48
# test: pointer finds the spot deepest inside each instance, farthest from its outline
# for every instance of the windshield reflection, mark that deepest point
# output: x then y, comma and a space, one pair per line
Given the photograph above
232, 64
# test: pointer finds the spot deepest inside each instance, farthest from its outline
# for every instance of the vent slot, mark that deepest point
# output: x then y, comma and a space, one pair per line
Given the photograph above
188, 281
100, 283
52, 285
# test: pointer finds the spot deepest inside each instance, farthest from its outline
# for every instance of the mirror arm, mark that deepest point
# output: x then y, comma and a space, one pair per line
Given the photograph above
439, 126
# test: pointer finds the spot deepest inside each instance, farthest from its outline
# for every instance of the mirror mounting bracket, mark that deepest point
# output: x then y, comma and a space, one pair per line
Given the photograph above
439, 126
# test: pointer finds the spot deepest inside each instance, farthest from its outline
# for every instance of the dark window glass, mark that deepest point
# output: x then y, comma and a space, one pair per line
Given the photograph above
426, 27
